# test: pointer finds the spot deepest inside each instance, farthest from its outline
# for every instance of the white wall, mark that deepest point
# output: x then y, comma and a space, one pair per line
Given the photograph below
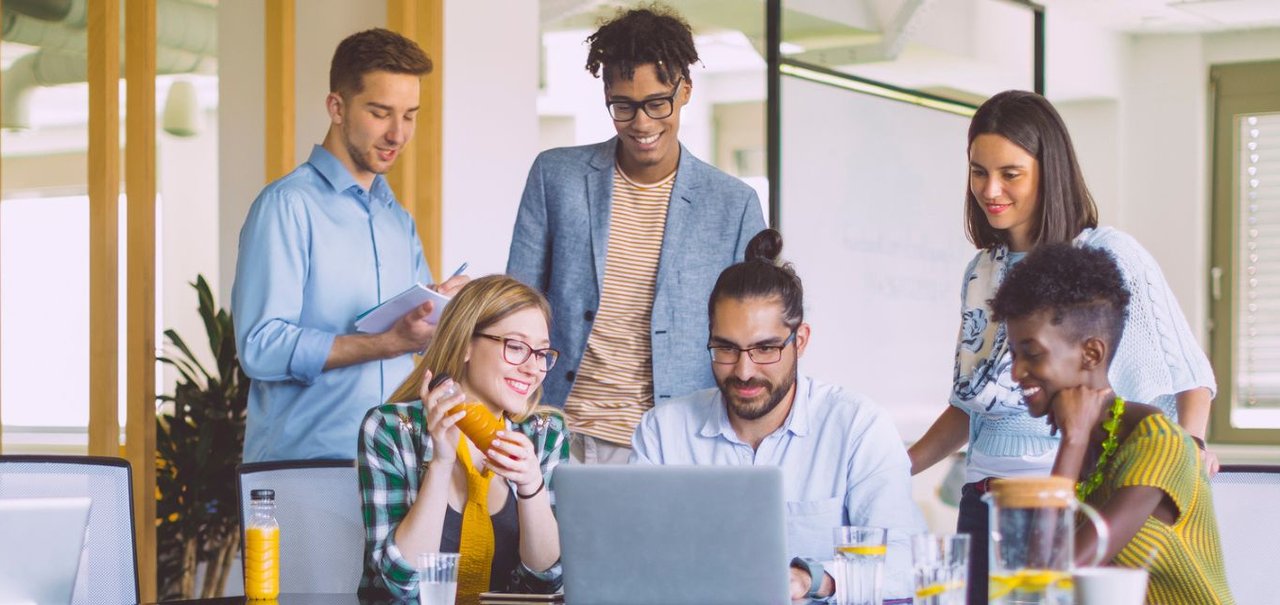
1163, 143
241, 86
490, 127
1093, 125
187, 234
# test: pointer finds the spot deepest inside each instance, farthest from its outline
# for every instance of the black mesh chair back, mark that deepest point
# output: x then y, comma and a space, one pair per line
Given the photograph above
108, 571
1244, 501
321, 528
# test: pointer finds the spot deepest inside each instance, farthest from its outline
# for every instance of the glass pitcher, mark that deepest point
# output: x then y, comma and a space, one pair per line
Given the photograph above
1033, 525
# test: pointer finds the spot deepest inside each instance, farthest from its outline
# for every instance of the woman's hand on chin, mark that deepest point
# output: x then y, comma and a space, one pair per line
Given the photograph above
1075, 411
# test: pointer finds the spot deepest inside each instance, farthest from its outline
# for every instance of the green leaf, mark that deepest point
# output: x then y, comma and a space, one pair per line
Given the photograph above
182, 346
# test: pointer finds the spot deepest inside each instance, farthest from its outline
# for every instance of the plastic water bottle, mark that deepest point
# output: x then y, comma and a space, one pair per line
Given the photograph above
262, 547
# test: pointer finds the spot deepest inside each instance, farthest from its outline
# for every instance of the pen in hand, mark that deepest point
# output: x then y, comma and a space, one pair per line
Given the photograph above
456, 273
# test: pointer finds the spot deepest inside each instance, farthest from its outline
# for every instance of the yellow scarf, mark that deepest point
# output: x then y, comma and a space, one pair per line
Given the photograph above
476, 541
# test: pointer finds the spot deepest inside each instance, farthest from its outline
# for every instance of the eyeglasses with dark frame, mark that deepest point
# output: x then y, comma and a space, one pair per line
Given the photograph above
516, 352
760, 354
657, 108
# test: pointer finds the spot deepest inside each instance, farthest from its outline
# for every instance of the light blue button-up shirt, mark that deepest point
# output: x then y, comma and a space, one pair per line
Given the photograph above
316, 250
842, 462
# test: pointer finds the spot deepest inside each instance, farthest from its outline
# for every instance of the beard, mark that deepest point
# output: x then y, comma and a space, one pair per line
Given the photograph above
765, 403
358, 158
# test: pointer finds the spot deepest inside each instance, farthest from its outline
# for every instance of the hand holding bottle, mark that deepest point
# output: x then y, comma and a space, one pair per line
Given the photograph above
440, 396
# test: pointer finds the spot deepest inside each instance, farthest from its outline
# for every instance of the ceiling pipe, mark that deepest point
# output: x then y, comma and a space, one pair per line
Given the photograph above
45, 10
186, 33
51, 68
23, 29
179, 24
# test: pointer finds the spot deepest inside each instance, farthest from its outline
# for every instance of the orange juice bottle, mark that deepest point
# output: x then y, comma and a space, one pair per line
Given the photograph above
479, 425
262, 547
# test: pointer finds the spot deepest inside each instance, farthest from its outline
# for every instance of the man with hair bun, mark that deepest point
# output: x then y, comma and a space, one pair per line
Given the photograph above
625, 238
319, 246
843, 460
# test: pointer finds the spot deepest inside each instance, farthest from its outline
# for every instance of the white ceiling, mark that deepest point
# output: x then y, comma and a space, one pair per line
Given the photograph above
1169, 16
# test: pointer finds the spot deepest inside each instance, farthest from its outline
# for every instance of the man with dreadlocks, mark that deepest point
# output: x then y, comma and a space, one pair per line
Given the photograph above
627, 237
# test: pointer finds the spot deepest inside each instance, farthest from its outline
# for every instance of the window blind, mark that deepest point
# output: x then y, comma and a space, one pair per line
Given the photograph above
1258, 269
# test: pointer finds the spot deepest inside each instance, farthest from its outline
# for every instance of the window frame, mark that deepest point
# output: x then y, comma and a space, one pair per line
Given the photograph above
1235, 89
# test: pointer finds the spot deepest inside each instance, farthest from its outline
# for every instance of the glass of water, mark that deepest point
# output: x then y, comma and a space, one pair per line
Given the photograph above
940, 565
437, 578
859, 565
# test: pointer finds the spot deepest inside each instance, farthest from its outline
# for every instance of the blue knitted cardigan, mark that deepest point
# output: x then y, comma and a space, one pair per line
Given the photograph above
1158, 355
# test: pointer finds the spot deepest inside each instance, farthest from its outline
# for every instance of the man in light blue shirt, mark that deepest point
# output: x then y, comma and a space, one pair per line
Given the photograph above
319, 246
843, 462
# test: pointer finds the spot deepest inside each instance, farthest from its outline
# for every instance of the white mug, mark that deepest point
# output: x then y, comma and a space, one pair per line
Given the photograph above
1110, 586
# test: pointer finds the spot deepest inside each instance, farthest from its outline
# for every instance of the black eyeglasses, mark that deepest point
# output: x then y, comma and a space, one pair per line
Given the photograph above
657, 109
516, 352
763, 354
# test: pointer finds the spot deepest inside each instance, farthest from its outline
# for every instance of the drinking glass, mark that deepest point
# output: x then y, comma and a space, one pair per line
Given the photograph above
859, 565
437, 578
941, 566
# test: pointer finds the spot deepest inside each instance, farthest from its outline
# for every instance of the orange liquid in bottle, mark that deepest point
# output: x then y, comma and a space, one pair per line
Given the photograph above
479, 425
262, 562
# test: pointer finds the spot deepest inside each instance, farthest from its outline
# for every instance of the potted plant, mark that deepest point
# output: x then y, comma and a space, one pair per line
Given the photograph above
199, 440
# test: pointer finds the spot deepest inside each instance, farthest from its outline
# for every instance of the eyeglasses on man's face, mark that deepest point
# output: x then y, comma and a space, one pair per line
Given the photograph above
516, 352
657, 108
760, 354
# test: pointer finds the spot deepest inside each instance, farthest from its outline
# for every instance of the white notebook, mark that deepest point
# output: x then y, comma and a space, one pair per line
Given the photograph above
382, 317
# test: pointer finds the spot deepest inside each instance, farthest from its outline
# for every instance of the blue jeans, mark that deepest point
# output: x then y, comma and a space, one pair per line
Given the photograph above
975, 521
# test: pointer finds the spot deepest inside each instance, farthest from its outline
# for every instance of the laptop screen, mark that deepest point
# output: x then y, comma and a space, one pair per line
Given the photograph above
672, 534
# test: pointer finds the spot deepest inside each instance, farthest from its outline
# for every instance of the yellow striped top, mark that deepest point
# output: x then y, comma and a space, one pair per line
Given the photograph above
614, 386
1187, 565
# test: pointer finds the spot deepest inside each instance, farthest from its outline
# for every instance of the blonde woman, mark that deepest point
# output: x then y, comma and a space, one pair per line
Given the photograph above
426, 488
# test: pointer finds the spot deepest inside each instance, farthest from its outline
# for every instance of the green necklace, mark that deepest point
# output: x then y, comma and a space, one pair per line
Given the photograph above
1112, 426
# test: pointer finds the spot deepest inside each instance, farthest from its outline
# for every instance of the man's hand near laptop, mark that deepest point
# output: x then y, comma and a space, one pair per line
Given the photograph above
800, 583
410, 334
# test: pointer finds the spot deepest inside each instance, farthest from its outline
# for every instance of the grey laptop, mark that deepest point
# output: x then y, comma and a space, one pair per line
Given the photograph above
642, 535
40, 548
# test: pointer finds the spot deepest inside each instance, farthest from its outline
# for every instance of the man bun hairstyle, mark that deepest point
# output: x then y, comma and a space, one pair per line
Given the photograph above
1082, 287
762, 275
652, 33
372, 50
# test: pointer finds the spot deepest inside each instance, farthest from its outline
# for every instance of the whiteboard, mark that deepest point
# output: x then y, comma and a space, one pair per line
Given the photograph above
872, 217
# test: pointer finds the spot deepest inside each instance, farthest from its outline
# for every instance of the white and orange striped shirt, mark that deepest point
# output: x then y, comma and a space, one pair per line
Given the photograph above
614, 386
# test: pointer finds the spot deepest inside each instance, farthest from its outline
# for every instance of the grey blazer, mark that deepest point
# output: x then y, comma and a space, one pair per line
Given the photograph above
562, 234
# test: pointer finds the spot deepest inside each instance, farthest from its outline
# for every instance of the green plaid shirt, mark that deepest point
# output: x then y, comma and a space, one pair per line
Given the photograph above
394, 450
